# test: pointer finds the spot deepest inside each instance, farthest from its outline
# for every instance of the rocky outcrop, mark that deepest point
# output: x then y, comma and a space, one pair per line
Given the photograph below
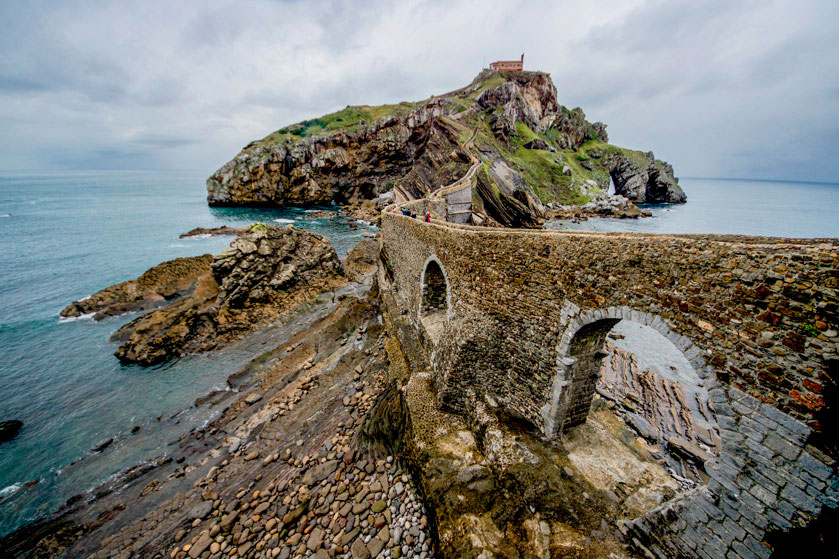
575, 130
525, 97
505, 209
345, 166
650, 181
157, 286
9, 429
264, 272
224, 230
362, 260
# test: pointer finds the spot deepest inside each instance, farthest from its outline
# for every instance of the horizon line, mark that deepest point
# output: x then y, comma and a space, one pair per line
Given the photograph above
196, 170
794, 181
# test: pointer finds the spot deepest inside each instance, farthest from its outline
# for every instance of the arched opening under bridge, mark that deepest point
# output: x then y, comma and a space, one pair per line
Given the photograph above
434, 306
625, 368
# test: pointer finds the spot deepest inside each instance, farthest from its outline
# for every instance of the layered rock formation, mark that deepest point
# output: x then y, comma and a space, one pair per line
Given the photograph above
511, 120
224, 230
263, 272
157, 286
661, 411
650, 181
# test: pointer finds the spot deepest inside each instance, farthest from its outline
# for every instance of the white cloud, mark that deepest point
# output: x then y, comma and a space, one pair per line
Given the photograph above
717, 88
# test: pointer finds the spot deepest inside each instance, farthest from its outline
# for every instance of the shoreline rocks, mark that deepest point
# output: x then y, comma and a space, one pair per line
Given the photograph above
224, 230
265, 271
615, 206
160, 284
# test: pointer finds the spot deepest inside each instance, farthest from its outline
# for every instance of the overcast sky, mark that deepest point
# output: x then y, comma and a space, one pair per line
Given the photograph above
718, 88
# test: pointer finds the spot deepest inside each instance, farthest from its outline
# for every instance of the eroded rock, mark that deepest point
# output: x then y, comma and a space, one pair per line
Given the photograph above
263, 272
157, 286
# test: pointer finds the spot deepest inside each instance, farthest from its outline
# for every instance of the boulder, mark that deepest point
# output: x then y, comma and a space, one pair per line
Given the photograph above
362, 260
536, 143
102, 445
9, 429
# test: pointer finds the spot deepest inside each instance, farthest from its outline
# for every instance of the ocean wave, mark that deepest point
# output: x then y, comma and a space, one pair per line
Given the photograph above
201, 236
85, 298
10, 490
88, 316
177, 245
283, 220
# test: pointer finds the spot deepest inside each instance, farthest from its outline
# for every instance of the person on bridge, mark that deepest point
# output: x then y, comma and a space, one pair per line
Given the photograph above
428, 217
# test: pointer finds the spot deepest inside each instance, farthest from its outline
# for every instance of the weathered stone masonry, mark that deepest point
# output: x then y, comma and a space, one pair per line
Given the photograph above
755, 316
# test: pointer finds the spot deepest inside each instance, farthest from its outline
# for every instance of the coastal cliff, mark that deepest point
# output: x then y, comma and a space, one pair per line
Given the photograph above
535, 151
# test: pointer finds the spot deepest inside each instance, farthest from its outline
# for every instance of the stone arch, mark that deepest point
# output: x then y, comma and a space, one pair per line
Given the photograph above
435, 307
579, 354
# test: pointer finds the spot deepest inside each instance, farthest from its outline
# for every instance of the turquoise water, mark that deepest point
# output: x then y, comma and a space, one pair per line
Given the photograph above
771, 208
64, 236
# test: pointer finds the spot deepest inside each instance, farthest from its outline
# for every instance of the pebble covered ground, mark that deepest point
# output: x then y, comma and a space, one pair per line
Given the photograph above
313, 496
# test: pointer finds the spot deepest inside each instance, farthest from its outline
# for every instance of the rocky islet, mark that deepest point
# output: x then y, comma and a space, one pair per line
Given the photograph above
536, 151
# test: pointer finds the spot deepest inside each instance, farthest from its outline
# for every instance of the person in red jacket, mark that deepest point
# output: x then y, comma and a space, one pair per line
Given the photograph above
428, 217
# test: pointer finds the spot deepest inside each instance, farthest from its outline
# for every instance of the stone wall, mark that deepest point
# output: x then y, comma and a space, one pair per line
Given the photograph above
757, 313
756, 318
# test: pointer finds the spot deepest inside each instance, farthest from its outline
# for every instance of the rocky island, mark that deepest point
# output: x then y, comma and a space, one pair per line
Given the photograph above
534, 152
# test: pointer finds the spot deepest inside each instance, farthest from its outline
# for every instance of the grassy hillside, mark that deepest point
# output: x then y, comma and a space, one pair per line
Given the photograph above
542, 169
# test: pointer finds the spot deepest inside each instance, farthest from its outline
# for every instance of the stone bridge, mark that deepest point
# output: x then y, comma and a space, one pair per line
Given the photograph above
515, 320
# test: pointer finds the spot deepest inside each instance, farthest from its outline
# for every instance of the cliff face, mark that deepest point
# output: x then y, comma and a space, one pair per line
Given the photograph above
535, 150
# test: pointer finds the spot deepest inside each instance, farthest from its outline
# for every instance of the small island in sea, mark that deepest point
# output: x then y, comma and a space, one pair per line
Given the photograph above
464, 381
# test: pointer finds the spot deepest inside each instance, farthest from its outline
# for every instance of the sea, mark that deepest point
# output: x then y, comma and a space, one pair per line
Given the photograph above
735, 206
65, 235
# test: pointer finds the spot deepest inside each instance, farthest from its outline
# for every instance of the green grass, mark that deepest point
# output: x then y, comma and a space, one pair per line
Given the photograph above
810, 330
348, 118
524, 133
